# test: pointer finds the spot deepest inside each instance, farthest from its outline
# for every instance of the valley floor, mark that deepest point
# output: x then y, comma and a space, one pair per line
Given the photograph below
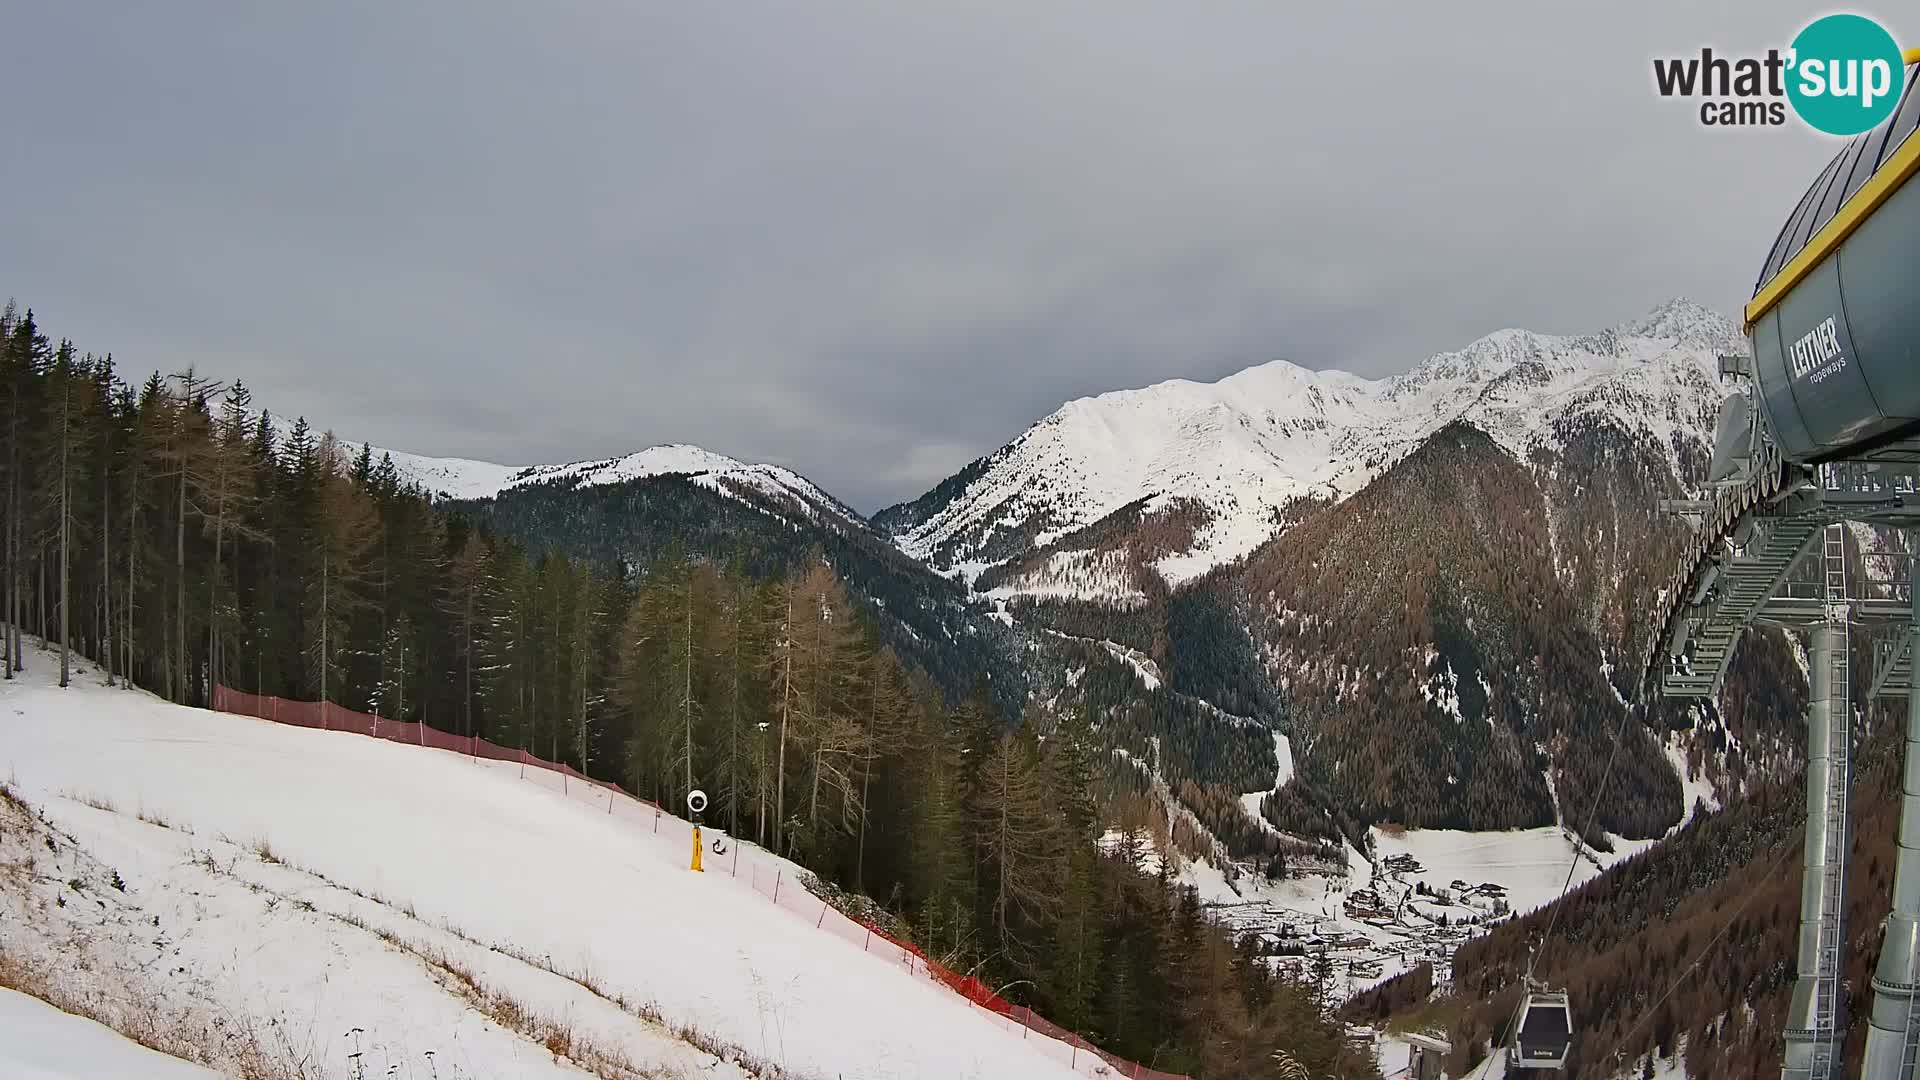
1528, 867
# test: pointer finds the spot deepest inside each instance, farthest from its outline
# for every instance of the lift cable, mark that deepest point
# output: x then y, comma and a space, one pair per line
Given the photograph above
1579, 839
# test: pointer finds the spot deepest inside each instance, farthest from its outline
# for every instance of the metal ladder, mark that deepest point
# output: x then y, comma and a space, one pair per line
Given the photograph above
1833, 886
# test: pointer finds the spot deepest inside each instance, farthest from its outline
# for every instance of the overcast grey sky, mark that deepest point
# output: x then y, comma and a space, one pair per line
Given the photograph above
866, 240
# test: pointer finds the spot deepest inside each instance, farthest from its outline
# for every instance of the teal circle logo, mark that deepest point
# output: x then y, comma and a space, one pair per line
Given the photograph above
1844, 74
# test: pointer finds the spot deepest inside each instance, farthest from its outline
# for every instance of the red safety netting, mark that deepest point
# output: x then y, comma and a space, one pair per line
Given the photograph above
768, 876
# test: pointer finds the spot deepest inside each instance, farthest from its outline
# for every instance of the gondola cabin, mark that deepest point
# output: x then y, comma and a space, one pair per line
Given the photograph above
1542, 1032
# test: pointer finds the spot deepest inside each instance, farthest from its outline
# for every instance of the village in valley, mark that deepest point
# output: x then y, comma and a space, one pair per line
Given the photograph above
1352, 928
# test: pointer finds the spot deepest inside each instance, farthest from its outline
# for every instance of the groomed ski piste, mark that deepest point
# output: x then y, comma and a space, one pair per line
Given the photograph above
339, 905
39, 1042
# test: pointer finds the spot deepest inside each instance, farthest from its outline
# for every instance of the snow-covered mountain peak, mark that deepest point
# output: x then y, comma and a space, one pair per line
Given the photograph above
1240, 449
462, 478
1686, 323
669, 459
457, 478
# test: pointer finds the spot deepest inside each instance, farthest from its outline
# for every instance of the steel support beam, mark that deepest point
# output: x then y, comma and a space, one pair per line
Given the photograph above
1813, 1018
1893, 1032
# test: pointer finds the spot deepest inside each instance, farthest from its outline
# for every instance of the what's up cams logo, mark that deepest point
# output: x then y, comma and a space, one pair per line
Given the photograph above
1842, 75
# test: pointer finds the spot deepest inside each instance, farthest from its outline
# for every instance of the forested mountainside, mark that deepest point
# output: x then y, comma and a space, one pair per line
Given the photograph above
1457, 642
1186, 762
1687, 949
170, 534
1445, 596
629, 522
1438, 632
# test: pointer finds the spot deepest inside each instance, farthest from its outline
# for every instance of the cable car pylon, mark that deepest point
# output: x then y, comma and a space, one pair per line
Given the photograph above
1817, 441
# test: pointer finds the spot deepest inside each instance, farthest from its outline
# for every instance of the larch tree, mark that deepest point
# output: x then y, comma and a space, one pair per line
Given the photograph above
886, 728
223, 473
940, 870
341, 538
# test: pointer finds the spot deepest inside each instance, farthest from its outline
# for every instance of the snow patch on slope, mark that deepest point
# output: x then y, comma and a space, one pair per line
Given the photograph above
1695, 787
1075, 574
39, 1042
1143, 666
1283, 755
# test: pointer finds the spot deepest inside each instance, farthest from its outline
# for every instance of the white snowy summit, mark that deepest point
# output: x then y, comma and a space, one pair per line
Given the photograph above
460, 478
1243, 447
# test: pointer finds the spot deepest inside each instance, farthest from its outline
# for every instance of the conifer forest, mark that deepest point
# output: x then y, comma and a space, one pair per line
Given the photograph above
170, 530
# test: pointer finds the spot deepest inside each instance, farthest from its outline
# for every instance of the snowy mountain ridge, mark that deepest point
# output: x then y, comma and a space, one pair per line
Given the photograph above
464, 478
1238, 450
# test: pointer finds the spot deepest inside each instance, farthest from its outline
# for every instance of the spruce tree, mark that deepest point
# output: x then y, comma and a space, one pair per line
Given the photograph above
1021, 849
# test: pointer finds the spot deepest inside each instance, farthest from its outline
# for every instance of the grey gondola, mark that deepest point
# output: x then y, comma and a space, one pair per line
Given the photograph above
1542, 1031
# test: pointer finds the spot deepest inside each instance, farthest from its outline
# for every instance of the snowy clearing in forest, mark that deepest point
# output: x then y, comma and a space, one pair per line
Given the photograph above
332, 890
1283, 754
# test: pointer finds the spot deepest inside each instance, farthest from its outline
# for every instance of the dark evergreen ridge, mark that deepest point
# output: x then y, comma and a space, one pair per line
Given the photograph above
923, 616
170, 535
929, 621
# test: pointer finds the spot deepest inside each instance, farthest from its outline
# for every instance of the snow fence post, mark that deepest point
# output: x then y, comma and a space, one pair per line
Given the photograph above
736, 845
776, 882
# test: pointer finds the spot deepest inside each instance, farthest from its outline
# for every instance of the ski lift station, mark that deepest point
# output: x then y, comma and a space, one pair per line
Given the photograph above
1821, 435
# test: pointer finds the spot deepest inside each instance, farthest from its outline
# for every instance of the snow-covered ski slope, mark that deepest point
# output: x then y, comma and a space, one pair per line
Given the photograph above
489, 865
39, 1042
